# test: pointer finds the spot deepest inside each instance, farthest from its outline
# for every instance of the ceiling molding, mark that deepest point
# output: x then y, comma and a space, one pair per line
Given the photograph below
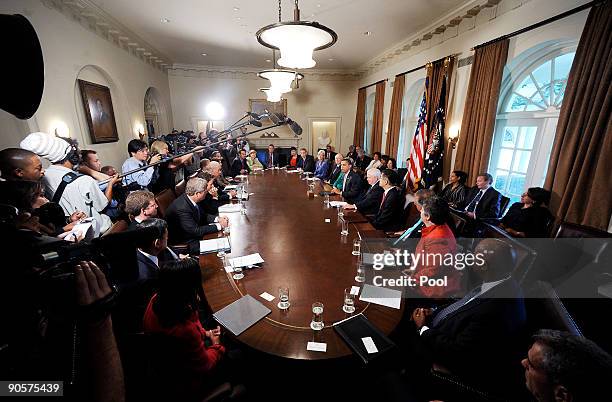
446, 27
247, 73
96, 20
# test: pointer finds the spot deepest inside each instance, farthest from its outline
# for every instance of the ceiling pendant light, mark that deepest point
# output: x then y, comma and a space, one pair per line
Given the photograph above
280, 80
296, 39
271, 94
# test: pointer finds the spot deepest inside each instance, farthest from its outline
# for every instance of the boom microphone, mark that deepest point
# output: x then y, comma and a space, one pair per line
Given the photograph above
297, 130
255, 123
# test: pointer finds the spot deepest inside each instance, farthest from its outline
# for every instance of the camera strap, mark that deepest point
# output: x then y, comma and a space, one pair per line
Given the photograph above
67, 179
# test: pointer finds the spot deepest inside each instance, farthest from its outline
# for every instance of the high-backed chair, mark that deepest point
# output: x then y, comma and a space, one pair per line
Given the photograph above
573, 230
117, 227
163, 200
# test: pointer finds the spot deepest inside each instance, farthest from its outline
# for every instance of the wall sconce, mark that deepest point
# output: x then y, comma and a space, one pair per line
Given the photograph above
453, 135
139, 129
60, 129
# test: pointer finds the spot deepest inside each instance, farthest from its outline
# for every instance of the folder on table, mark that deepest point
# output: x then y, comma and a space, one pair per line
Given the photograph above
354, 329
241, 314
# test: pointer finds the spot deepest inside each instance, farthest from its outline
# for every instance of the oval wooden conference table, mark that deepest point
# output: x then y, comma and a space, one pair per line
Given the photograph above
302, 252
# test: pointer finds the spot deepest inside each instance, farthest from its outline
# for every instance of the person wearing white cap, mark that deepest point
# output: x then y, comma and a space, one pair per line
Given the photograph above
80, 192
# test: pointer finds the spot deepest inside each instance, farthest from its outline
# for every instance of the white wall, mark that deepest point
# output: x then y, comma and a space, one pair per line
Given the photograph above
71, 51
489, 24
192, 91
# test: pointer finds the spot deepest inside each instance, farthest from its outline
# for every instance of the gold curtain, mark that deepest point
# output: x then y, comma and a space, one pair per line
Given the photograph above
360, 118
395, 116
478, 121
377, 121
580, 166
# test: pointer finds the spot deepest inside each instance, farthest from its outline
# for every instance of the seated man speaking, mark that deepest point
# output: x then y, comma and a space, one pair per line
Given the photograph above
186, 221
348, 183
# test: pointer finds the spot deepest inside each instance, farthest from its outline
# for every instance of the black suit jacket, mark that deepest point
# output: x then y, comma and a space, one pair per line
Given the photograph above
266, 159
362, 164
238, 165
481, 340
307, 165
369, 203
489, 205
389, 215
352, 188
330, 156
334, 172
187, 223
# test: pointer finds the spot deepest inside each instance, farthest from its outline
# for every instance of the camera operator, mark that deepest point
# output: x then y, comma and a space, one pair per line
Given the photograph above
73, 192
91, 166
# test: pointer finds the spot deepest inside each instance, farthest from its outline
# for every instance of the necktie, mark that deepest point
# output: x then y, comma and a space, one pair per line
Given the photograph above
197, 213
472, 206
383, 199
270, 161
446, 311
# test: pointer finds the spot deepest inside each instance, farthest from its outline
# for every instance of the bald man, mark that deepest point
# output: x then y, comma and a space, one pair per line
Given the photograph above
20, 164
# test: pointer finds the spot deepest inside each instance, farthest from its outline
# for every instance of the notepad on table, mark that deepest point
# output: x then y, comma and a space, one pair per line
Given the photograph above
247, 260
336, 204
214, 245
227, 208
381, 296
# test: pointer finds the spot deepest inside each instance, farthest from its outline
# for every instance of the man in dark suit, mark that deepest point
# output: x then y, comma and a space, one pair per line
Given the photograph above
239, 165
270, 158
483, 201
369, 202
140, 205
477, 337
389, 214
152, 249
351, 184
335, 168
329, 154
186, 221
306, 162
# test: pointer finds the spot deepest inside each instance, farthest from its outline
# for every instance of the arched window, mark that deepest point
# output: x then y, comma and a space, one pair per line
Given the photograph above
530, 100
369, 123
410, 116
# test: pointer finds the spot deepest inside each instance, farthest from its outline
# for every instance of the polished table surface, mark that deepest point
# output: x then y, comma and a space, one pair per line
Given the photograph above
302, 252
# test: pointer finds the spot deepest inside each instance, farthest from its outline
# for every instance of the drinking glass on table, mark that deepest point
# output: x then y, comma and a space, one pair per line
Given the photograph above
238, 273
283, 297
317, 316
349, 301
360, 273
344, 223
340, 211
326, 200
356, 247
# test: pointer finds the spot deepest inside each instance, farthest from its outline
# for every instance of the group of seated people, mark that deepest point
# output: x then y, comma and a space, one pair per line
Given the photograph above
459, 330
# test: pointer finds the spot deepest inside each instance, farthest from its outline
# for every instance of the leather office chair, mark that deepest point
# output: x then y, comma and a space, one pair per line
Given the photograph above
163, 200
573, 230
117, 227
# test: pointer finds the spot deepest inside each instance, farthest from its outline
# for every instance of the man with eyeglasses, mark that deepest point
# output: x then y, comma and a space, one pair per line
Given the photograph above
139, 153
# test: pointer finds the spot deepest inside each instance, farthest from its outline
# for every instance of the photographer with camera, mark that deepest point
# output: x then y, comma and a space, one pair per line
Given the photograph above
72, 191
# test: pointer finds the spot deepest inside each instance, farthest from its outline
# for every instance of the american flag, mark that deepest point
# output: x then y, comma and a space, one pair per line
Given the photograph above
417, 155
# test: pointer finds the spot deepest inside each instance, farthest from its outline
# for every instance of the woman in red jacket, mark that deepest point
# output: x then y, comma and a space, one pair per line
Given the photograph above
182, 360
437, 244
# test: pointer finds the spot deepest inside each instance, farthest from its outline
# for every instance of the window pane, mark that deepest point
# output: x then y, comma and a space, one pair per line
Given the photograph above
559, 89
517, 184
563, 64
509, 138
505, 159
527, 137
501, 177
536, 103
517, 103
527, 88
521, 161
542, 74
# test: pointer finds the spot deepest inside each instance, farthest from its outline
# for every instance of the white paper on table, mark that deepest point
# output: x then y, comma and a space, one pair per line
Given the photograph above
336, 204
267, 296
292, 171
229, 269
213, 245
381, 296
355, 290
230, 187
227, 208
317, 346
244, 261
327, 220
79, 232
368, 342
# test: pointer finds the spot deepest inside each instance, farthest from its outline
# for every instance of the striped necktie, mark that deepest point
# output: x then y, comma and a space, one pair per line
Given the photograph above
448, 310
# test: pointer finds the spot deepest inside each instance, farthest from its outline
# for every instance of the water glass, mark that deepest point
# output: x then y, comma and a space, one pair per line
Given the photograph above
344, 230
360, 273
317, 316
238, 273
356, 247
243, 210
349, 301
226, 231
340, 211
326, 200
283, 297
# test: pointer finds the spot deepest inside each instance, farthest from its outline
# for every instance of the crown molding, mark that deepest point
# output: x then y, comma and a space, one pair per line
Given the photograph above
451, 25
96, 20
250, 73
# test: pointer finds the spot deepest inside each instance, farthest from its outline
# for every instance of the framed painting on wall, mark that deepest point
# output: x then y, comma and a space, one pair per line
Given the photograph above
323, 132
99, 112
259, 106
